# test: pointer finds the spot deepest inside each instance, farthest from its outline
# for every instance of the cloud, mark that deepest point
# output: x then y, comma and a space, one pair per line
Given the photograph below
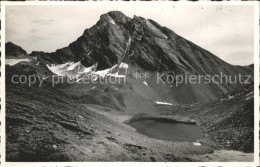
37, 38
44, 22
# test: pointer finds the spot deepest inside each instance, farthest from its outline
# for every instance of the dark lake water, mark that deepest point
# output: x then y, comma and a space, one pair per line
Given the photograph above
165, 130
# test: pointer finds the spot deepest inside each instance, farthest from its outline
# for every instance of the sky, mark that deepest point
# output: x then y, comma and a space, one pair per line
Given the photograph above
226, 31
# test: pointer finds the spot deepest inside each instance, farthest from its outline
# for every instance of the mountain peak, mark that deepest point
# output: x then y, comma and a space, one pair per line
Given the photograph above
116, 37
115, 14
115, 17
13, 50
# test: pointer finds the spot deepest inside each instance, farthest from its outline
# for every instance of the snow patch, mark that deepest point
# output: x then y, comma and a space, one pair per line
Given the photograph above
80, 117
73, 66
79, 80
67, 69
248, 98
123, 65
12, 62
111, 20
230, 97
116, 75
89, 69
76, 70
59, 69
164, 103
196, 144
103, 73
108, 72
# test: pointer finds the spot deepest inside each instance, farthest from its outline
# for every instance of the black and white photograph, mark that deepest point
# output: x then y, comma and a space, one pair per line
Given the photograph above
129, 82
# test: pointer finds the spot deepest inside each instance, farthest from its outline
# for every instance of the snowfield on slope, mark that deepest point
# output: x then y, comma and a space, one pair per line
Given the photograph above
76, 70
60, 68
66, 69
12, 62
111, 20
145, 83
163, 103
73, 66
103, 73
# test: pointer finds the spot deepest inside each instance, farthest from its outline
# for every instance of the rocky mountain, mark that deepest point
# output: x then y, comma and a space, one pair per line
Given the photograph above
153, 47
146, 46
14, 51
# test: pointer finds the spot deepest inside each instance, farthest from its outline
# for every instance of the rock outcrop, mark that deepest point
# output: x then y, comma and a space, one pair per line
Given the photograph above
14, 51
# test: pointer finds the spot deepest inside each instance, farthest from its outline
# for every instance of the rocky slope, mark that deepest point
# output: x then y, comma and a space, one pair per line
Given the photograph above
44, 124
14, 51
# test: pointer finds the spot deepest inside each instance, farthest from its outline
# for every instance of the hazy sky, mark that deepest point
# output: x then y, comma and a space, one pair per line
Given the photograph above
226, 31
